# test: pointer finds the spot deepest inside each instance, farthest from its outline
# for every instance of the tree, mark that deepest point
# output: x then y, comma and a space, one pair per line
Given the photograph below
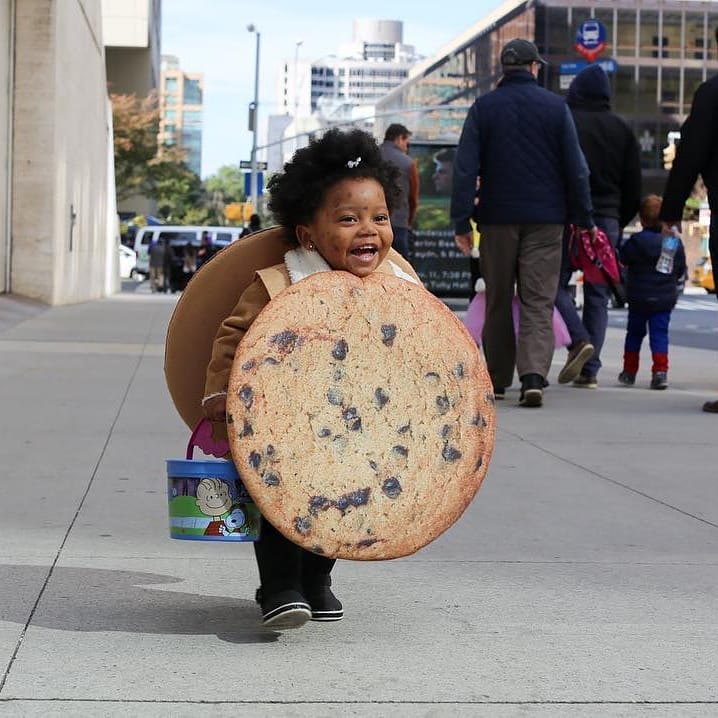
227, 184
175, 186
135, 125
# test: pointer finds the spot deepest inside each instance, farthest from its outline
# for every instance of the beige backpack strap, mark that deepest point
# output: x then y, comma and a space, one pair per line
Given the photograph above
275, 279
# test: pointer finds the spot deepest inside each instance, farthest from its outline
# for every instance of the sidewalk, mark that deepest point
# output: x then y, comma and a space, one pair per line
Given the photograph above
580, 582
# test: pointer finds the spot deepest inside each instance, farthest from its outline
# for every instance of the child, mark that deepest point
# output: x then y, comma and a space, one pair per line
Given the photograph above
334, 199
651, 295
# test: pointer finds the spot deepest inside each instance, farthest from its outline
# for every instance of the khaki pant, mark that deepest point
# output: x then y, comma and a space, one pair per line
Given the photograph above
528, 256
157, 279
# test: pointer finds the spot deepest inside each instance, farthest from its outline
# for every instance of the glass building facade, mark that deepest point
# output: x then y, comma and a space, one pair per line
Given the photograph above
661, 49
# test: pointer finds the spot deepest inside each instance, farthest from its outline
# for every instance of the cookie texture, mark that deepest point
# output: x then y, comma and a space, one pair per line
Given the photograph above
360, 415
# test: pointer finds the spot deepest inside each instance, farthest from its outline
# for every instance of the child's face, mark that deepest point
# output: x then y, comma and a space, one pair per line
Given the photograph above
351, 229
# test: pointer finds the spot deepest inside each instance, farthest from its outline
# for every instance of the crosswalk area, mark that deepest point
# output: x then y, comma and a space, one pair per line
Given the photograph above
698, 304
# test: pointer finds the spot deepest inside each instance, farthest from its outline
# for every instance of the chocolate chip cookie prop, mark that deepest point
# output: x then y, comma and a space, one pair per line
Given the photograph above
360, 415
209, 297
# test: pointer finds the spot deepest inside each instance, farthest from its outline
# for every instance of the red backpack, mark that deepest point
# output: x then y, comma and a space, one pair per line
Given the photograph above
596, 258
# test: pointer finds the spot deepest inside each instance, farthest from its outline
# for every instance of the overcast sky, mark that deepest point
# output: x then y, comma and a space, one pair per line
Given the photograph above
211, 37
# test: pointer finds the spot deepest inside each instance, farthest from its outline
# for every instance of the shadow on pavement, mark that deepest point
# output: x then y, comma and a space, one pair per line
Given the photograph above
90, 599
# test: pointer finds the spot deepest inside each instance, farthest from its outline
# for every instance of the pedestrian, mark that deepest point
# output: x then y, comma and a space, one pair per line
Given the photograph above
159, 261
395, 149
519, 140
334, 198
697, 153
206, 250
651, 295
613, 156
255, 224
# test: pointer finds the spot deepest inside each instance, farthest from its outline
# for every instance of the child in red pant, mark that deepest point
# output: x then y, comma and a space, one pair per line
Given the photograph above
651, 295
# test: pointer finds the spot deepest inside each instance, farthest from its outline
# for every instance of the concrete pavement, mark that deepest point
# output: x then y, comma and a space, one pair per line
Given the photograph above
580, 582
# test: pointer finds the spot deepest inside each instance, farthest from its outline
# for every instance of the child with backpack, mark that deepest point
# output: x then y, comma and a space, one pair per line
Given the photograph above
651, 295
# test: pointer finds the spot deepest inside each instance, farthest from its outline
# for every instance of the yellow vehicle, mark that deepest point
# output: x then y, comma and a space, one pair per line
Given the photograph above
703, 275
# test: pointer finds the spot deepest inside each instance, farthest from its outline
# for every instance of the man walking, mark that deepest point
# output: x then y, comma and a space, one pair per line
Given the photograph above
697, 153
394, 149
520, 141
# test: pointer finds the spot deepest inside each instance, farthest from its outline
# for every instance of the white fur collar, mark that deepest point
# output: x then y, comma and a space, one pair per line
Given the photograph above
301, 263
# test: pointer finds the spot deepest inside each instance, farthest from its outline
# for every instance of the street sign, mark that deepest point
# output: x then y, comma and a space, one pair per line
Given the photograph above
591, 38
248, 183
247, 165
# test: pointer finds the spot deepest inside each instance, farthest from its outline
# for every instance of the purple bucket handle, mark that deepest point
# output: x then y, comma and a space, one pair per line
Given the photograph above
203, 438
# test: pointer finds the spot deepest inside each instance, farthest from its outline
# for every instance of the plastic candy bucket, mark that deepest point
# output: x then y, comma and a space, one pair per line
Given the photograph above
207, 499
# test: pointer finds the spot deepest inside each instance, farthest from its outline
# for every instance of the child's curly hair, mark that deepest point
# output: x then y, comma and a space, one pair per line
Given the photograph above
297, 193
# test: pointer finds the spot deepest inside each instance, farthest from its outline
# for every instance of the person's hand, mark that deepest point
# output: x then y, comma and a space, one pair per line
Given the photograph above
465, 242
215, 409
667, 227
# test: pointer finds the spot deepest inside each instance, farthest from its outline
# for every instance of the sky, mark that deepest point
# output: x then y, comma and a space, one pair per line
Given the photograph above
212, 37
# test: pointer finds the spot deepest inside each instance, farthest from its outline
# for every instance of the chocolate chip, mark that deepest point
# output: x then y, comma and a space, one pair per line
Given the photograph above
445, 431
431, 375
391, 487
317, 549
271, 360
360, 497
404, 429
255, 459
335, 397
318, 503
479, 463
324, 432
341, 348
388, 333
246, 429
478, 420
490, 397
302, 525
401, 450
442, 404
449, 453
246, 396
459, 371
355, 425
373, 465
366, 542
230, 419
285, 341
380, 398
270, 450
352, 418
270, 478
250, 364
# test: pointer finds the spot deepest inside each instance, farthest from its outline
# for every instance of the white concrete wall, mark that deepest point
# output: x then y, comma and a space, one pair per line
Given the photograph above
5, 153
60, 152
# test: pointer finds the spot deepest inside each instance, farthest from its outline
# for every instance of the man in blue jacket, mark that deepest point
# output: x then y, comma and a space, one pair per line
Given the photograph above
519, 141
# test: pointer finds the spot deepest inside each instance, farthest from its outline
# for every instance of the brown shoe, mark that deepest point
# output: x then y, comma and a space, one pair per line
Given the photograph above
577, 357
711, 407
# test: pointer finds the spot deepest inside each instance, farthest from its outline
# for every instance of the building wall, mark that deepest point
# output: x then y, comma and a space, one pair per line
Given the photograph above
60, 243
5, 116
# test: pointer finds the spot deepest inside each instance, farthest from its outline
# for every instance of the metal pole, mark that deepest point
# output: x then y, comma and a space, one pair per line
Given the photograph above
253, 184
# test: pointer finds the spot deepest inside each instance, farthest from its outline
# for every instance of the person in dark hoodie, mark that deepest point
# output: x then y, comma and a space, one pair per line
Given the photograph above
697, 153
613, 156
651, 295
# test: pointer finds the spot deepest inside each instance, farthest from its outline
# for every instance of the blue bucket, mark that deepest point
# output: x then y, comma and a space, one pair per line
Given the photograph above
208, 501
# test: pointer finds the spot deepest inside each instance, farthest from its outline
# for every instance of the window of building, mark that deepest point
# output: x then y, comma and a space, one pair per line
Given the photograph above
695, 36
671, 91
170, 99
626, 33
170, 84
648, 33
672, 24
170, 115
192, 92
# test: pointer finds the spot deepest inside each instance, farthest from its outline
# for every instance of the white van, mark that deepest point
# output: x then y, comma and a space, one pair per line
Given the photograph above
178, 236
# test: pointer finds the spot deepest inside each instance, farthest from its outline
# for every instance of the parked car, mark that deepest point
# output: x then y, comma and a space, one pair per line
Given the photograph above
128, 263
179, 236
703, 275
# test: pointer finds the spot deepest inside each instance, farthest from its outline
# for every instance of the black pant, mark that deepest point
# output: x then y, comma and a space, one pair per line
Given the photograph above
713, 235
284, 565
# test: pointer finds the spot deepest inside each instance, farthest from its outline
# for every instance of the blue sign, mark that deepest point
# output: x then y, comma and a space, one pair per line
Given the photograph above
591, 38
248, 184
609, 66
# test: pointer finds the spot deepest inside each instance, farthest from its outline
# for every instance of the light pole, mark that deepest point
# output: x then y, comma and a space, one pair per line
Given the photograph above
253, 110
297, 45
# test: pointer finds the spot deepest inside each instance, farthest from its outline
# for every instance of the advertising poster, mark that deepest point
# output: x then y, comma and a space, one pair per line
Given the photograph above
443, 269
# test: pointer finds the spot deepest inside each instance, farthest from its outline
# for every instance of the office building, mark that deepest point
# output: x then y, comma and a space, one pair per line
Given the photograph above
181, 111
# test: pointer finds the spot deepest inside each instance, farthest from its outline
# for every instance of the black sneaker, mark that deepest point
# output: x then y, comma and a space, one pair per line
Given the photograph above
531, 390
626, 378
283, 609
499, 393
659, 380
577, 357
324, 604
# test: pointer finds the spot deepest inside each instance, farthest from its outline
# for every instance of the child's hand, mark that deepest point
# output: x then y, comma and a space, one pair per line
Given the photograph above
215, 409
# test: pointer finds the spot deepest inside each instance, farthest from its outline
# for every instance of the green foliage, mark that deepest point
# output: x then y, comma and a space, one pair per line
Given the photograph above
227, 185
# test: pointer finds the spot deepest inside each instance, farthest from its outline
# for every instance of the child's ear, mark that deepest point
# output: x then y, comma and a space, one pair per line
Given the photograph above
304, 236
